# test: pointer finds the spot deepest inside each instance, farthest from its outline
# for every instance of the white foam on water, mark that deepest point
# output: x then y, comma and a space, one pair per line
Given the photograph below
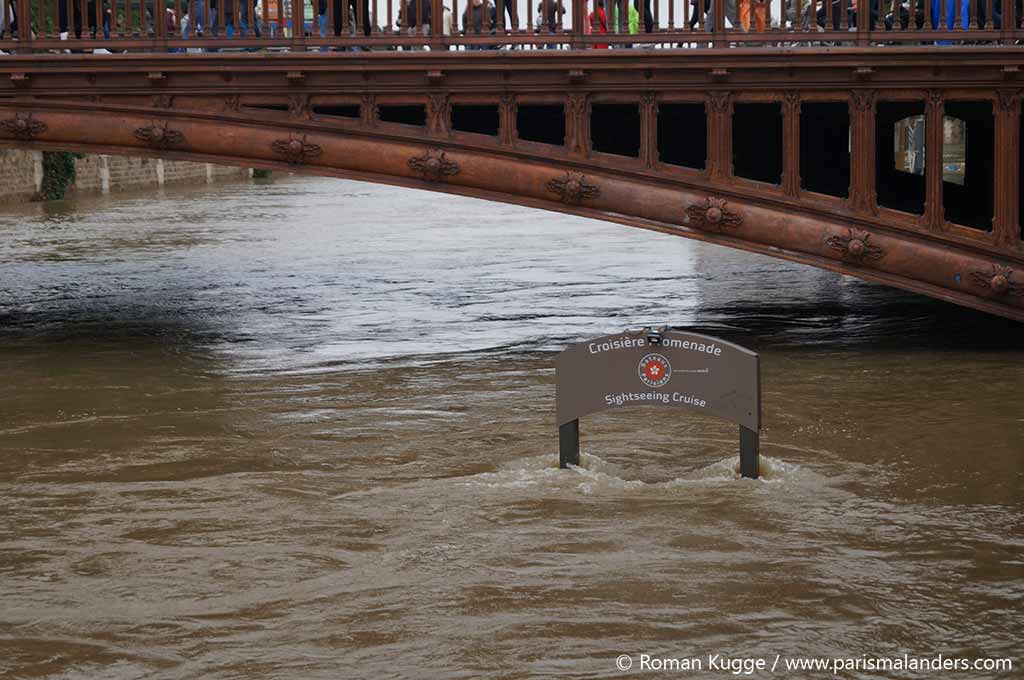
594, 474
772, 470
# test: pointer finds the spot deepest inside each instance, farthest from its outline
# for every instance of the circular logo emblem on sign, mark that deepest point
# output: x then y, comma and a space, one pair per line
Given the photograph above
655, 370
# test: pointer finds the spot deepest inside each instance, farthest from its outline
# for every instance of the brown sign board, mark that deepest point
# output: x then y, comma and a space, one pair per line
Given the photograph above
685, 370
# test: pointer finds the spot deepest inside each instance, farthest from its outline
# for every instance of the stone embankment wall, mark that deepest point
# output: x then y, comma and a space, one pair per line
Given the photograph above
21, 173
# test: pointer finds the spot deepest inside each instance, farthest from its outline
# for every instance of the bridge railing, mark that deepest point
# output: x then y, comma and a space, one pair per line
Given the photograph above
188, 26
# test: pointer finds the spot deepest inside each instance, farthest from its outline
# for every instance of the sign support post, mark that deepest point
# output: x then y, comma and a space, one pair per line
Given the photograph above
750, 443
569, 444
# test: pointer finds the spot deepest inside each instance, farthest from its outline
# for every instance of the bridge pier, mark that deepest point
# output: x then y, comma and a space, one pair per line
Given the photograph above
1008, 227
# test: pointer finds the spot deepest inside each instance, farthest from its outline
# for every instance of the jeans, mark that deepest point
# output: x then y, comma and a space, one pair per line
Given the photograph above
965, 17
195, 14
197, 11
229, 22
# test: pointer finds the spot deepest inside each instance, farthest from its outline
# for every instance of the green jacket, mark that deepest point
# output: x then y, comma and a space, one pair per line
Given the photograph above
634, 19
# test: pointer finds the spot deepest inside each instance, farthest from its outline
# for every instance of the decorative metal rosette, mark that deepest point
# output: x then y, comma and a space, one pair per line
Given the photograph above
434, 165
713, 214
574, 188
855, 246
160, 136
23, 126
296, 150
999, 281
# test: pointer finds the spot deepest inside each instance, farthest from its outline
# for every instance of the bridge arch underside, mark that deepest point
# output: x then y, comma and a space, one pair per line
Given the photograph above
667, 203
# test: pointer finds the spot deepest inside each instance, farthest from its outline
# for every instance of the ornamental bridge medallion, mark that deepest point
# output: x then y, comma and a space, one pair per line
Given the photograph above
23, 126
712, 215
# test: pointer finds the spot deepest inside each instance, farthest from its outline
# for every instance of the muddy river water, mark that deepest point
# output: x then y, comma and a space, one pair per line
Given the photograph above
305, 429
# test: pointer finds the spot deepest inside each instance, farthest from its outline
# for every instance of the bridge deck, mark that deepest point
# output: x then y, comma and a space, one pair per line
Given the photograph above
140, 25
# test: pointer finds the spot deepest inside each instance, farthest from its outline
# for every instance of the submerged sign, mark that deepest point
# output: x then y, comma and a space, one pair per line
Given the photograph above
658, 368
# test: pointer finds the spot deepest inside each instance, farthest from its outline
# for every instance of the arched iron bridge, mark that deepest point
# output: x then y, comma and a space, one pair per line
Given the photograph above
849, 159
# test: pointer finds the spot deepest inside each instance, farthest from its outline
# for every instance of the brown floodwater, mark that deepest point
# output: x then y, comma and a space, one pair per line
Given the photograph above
305, 429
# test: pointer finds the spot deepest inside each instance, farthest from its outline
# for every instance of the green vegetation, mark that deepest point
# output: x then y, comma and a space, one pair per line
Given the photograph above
58, 174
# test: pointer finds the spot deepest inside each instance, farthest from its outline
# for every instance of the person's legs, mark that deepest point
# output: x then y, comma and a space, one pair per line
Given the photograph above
62, 16
645, 12
355, 26
510, 10
965, 13
337, 7
423, 30
196, 26
195, 13
250, 21
353, 16
77, 17
730, 13
321, 23
257, 22
90, 20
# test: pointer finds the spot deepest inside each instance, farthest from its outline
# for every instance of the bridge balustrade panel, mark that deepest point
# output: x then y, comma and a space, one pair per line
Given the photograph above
470, 25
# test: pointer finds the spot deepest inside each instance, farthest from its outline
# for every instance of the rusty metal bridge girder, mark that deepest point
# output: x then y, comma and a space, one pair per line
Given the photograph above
203, 107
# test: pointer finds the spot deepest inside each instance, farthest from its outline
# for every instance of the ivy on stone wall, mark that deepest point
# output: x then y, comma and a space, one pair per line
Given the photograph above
58, 174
